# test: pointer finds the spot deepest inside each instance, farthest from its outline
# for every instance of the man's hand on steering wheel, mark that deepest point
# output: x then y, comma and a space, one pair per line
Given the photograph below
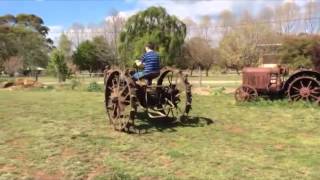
138, 64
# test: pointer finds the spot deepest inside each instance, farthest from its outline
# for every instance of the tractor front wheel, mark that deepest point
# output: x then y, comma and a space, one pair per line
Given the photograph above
245, 93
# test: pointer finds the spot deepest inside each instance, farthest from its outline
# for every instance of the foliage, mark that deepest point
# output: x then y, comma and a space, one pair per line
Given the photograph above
58, 65
12, 65
29, 21
238, 47
74, 83
200, 53
301, 51
103, 51
152, 25
65, 46
94, 87
93, 55
24, 36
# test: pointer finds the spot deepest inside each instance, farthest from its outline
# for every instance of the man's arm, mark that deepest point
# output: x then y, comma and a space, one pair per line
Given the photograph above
143, 58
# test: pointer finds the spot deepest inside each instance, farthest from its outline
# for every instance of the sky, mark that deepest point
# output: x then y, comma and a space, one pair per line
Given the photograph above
59, 15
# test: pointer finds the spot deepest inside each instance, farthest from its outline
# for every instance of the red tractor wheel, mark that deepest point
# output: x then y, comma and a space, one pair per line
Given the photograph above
304, 88
245, 93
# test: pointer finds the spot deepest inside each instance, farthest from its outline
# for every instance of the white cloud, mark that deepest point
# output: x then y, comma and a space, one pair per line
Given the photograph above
190, 9
183, 9
124, 14
55, 32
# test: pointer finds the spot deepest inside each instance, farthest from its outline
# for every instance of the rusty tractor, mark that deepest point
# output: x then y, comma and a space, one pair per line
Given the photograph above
269, 81
169, 98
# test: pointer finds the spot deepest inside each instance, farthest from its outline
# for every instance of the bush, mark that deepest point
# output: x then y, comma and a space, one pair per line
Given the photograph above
94, 87
57, 66
50, 87
75, 83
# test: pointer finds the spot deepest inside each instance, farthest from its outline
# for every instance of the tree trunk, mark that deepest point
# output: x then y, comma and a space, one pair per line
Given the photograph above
237, 69
207, 72
200, 76
37, 76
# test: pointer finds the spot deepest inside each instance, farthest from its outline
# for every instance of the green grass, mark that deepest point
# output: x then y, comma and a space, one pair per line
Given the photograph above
65, 135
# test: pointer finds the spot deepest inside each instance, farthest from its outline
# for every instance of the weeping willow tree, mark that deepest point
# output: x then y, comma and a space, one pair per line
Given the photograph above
152, 25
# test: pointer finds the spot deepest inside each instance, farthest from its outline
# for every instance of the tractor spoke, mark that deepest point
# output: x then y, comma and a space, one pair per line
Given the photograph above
313, 96
310, 82
297, 98
293, 96
301, 84
296, 88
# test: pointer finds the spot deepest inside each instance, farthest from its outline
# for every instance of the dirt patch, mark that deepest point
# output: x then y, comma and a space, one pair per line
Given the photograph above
68, 152
21, 83
7, 168
180, 174
98, 170
149, 178
165, 161
279, 146
18, 142
229, 90
204, 91
40, 175
234, 129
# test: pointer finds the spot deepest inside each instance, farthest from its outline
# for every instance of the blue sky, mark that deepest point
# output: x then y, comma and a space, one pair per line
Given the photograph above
61, 14
64, 13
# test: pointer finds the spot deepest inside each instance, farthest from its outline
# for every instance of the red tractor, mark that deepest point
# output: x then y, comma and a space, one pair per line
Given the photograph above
269, 81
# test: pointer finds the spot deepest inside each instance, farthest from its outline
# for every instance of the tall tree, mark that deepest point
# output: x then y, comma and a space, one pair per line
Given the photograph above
192, 28
24, 36
93, 55
311, 11
103, 51
58, 65
286, 14
84, 56
205, 25
116, 23
226, 20
65, 45
155, 25
238, 48
201, 53
266, 14
76, 33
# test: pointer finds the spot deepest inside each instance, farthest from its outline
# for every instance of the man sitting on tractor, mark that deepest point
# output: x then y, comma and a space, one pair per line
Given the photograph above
150, 62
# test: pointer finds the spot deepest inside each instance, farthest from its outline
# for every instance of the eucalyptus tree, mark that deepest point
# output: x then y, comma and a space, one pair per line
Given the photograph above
24, 37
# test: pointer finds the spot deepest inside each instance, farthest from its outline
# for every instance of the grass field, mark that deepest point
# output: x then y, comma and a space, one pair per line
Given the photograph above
65, 135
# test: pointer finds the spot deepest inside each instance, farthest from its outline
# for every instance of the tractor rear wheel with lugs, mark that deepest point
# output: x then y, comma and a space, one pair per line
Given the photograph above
304, 88
120, 100
177, 92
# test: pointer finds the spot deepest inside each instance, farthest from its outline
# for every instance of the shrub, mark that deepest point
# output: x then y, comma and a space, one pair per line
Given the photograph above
50, 87
57, 66
75, 83
94, 87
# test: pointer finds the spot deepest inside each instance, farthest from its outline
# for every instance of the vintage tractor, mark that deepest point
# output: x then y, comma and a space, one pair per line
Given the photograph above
269, 81
169, 98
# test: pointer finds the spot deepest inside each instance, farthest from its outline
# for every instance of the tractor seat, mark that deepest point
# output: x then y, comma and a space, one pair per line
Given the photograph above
149, 77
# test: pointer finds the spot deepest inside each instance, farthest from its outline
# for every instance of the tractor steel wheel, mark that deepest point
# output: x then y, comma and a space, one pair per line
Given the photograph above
120, 101
245, 93
304, 88
178, 102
